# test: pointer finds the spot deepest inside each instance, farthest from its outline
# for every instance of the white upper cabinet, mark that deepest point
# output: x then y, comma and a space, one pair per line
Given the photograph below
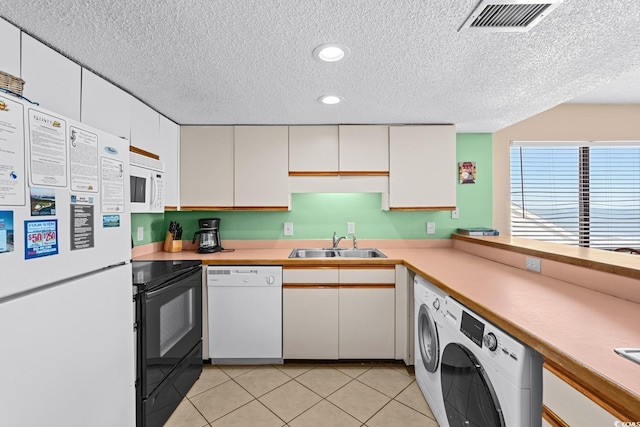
313, 149
10, 58
364, 148
261, 166
50, 78
206, 167
145, 126
345, 149
422, 167
169, 152
105, 106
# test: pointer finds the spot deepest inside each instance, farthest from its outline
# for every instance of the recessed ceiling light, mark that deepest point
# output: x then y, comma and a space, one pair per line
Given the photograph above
330, 99
331, 52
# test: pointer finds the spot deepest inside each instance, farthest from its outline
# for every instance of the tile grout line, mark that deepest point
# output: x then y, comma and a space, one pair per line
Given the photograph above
198, 411
322, 398
258, 398
204, 391
290, 378
402, 403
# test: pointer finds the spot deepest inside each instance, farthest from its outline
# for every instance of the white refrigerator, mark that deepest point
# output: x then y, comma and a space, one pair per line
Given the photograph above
67, 354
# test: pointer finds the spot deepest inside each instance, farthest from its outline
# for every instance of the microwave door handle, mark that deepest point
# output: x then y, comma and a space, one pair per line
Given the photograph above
153, 190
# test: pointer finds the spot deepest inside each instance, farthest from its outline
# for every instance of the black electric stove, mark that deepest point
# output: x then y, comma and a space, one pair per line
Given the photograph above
168, 307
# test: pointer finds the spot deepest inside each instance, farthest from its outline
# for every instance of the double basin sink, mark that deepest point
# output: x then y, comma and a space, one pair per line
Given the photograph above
336, 253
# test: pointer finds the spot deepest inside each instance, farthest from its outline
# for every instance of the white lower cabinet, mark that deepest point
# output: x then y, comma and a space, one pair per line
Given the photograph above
367, 323
564, 405
310, 323
310, 313
338, 313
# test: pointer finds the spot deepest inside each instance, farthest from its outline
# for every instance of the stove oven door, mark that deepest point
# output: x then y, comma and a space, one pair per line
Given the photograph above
170, 326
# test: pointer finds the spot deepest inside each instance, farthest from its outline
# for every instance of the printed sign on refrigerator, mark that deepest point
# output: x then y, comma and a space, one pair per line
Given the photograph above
6, 231
47, 150
40, 238
12, 175
83, 153
112, 185
82, 228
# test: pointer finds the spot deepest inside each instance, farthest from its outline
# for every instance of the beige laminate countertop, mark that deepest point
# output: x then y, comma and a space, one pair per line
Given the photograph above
571, 326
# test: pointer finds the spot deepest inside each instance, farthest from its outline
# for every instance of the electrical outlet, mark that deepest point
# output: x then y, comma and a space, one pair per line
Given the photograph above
288, 229
140, 234
431, 228
533, 264
351, 228
455, 214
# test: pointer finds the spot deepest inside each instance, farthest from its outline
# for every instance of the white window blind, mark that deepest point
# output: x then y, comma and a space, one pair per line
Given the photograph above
577, 193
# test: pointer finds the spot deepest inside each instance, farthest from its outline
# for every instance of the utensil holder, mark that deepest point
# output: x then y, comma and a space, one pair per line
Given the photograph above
171, 245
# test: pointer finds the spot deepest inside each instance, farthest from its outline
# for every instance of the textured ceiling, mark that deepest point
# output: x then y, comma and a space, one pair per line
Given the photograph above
250, 62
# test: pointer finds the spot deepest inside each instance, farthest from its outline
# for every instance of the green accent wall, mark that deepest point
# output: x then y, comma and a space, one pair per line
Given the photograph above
318, 215
153, 226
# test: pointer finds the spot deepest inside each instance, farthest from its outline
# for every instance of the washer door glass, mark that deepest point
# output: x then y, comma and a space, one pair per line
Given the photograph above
469, 397
428, 339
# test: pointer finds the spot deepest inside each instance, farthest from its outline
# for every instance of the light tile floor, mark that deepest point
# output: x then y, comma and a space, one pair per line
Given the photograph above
305, 395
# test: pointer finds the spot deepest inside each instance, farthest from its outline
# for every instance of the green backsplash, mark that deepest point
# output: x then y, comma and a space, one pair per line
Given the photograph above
318, 215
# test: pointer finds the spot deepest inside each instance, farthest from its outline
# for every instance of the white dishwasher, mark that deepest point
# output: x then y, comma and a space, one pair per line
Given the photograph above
245, 314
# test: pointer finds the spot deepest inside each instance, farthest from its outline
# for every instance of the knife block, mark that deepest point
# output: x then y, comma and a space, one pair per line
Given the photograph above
171, 245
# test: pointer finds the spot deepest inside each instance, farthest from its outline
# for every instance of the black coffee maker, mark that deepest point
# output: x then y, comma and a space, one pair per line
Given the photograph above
209, 235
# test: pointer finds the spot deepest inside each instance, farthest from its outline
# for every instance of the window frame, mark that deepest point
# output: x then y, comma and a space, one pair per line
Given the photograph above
584, 196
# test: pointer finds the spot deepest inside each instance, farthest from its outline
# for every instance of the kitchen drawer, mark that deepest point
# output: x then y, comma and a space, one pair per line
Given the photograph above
327, 275
385, 275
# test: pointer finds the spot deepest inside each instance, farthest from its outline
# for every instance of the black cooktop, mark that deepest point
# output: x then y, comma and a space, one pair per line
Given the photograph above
150, 273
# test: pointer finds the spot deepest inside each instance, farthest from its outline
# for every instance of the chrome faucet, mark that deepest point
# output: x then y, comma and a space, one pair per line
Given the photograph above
336, 240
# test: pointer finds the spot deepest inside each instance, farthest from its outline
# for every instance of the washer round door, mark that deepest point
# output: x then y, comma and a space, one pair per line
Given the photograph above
428, 339
469, 397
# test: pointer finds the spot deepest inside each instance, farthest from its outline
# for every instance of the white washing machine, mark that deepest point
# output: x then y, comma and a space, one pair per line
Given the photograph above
487, 378
429, 315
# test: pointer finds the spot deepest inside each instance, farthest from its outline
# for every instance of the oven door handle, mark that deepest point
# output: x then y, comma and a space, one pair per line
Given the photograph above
168, 286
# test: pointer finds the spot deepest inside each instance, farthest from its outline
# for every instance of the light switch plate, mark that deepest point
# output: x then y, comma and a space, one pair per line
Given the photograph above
431, 228
351, 228
288, 229
455, 214
140, 234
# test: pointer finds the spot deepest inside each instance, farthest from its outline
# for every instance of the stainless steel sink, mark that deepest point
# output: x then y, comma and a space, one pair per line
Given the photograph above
336, 253
312, 253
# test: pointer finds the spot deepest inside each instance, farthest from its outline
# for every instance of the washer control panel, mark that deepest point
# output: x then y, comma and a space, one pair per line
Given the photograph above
430, 295
490, 341
497, 347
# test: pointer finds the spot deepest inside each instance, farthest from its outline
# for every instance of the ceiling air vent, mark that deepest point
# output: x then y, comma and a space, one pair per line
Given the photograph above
508, 15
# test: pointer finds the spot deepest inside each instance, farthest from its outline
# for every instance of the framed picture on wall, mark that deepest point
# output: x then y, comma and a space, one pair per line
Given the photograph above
467, 172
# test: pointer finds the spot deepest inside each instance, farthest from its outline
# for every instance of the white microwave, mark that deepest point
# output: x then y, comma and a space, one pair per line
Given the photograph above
147, 184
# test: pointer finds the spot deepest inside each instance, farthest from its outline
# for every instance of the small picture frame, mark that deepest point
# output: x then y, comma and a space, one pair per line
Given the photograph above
467, 172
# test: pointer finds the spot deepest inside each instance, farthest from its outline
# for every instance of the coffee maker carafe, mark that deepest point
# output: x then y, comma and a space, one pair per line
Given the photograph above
209, 235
